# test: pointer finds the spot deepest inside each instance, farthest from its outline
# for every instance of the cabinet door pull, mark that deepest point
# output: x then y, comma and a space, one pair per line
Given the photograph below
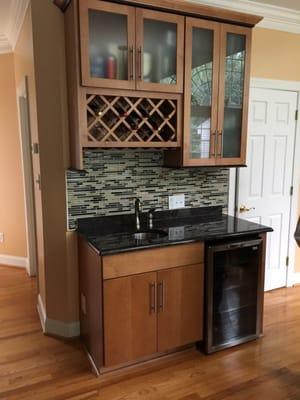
131, 62
220, 133
152, 296
140, 63
215, 135
161, 296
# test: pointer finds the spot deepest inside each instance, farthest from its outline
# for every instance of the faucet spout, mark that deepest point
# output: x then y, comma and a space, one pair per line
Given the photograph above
137, 208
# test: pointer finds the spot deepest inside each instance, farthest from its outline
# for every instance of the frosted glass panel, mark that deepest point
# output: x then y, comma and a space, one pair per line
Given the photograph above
160, 52
201, 93
234, 92
108, 46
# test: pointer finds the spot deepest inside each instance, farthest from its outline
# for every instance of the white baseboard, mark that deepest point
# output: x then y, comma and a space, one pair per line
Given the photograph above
21, 262
54, 327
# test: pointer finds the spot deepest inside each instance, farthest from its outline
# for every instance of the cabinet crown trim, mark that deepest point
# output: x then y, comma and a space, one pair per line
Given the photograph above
197, 10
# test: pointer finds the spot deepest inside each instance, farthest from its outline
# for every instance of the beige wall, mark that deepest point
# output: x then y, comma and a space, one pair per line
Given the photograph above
12, 209
276, 55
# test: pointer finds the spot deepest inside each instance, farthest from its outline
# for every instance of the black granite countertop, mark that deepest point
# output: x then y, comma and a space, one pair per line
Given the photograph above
111, 235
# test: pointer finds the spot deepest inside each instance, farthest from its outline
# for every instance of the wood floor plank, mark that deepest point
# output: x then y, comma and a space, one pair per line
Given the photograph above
37, 367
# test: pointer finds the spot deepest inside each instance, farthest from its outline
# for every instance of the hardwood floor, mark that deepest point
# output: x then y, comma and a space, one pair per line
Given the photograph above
36, 367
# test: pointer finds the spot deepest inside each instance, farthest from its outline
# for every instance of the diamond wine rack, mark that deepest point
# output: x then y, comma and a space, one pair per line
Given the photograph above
129, 121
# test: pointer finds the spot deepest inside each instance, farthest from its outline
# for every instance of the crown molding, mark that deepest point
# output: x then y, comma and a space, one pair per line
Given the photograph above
5, 46
279, 18
16, 19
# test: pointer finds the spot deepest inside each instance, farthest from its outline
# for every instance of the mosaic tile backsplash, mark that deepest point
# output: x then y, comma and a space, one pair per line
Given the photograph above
115, 178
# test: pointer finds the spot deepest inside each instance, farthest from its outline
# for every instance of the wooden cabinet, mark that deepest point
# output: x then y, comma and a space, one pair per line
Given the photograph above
152, 313
180, 306
216, 90
107, 42
160, 44
141, 304
125, 47
159, 75
130, 321
233, 94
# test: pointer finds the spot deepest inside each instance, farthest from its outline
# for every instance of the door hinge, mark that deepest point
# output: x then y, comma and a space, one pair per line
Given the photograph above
287, 261
296, 115
291, 190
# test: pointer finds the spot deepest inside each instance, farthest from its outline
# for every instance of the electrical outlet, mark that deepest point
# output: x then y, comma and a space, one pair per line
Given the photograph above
1, 237
176, 233
176, 201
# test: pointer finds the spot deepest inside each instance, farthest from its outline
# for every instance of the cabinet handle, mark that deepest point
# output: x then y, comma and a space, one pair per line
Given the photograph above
152, 296
161, 296
221, 144
215, 135
131, 62
140, 63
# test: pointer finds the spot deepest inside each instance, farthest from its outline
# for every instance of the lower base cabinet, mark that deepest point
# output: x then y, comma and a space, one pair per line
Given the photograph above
152, 313
180, 311
130, 323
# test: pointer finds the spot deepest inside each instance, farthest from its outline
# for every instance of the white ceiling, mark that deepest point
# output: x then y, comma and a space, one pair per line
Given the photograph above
292, 4
278, 14
11, 17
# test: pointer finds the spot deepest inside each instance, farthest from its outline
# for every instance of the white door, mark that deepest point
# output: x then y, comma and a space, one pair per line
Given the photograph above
264, 194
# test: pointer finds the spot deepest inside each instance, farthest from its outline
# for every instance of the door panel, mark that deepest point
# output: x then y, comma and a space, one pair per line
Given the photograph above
233, 94
264, 186
180, 306
130, 320
107, 37
160, 43
201, 92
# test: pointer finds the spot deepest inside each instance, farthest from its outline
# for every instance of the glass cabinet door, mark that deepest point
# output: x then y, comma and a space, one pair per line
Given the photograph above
107, 33
233, 95
201, 92
159, 58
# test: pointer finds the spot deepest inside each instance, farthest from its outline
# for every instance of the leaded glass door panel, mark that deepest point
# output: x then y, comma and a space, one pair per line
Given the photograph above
201, 92
233, 95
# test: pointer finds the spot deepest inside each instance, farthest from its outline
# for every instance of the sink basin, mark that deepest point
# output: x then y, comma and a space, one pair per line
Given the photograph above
148, 235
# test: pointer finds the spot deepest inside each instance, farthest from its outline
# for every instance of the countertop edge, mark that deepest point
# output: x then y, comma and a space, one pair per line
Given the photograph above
149, 246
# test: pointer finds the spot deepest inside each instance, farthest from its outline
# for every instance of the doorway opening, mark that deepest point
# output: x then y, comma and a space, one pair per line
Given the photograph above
26, 154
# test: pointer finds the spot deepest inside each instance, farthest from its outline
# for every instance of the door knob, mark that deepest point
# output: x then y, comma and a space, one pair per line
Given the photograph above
246, 209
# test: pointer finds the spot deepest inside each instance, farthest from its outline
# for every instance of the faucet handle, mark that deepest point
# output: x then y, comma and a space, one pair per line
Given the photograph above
150, 217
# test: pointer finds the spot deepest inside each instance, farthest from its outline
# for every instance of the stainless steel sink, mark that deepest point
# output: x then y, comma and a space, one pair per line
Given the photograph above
148, 235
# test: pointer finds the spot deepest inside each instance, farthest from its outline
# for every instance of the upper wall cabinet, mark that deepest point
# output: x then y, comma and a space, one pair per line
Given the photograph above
127, 48
217, 65
174, 77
